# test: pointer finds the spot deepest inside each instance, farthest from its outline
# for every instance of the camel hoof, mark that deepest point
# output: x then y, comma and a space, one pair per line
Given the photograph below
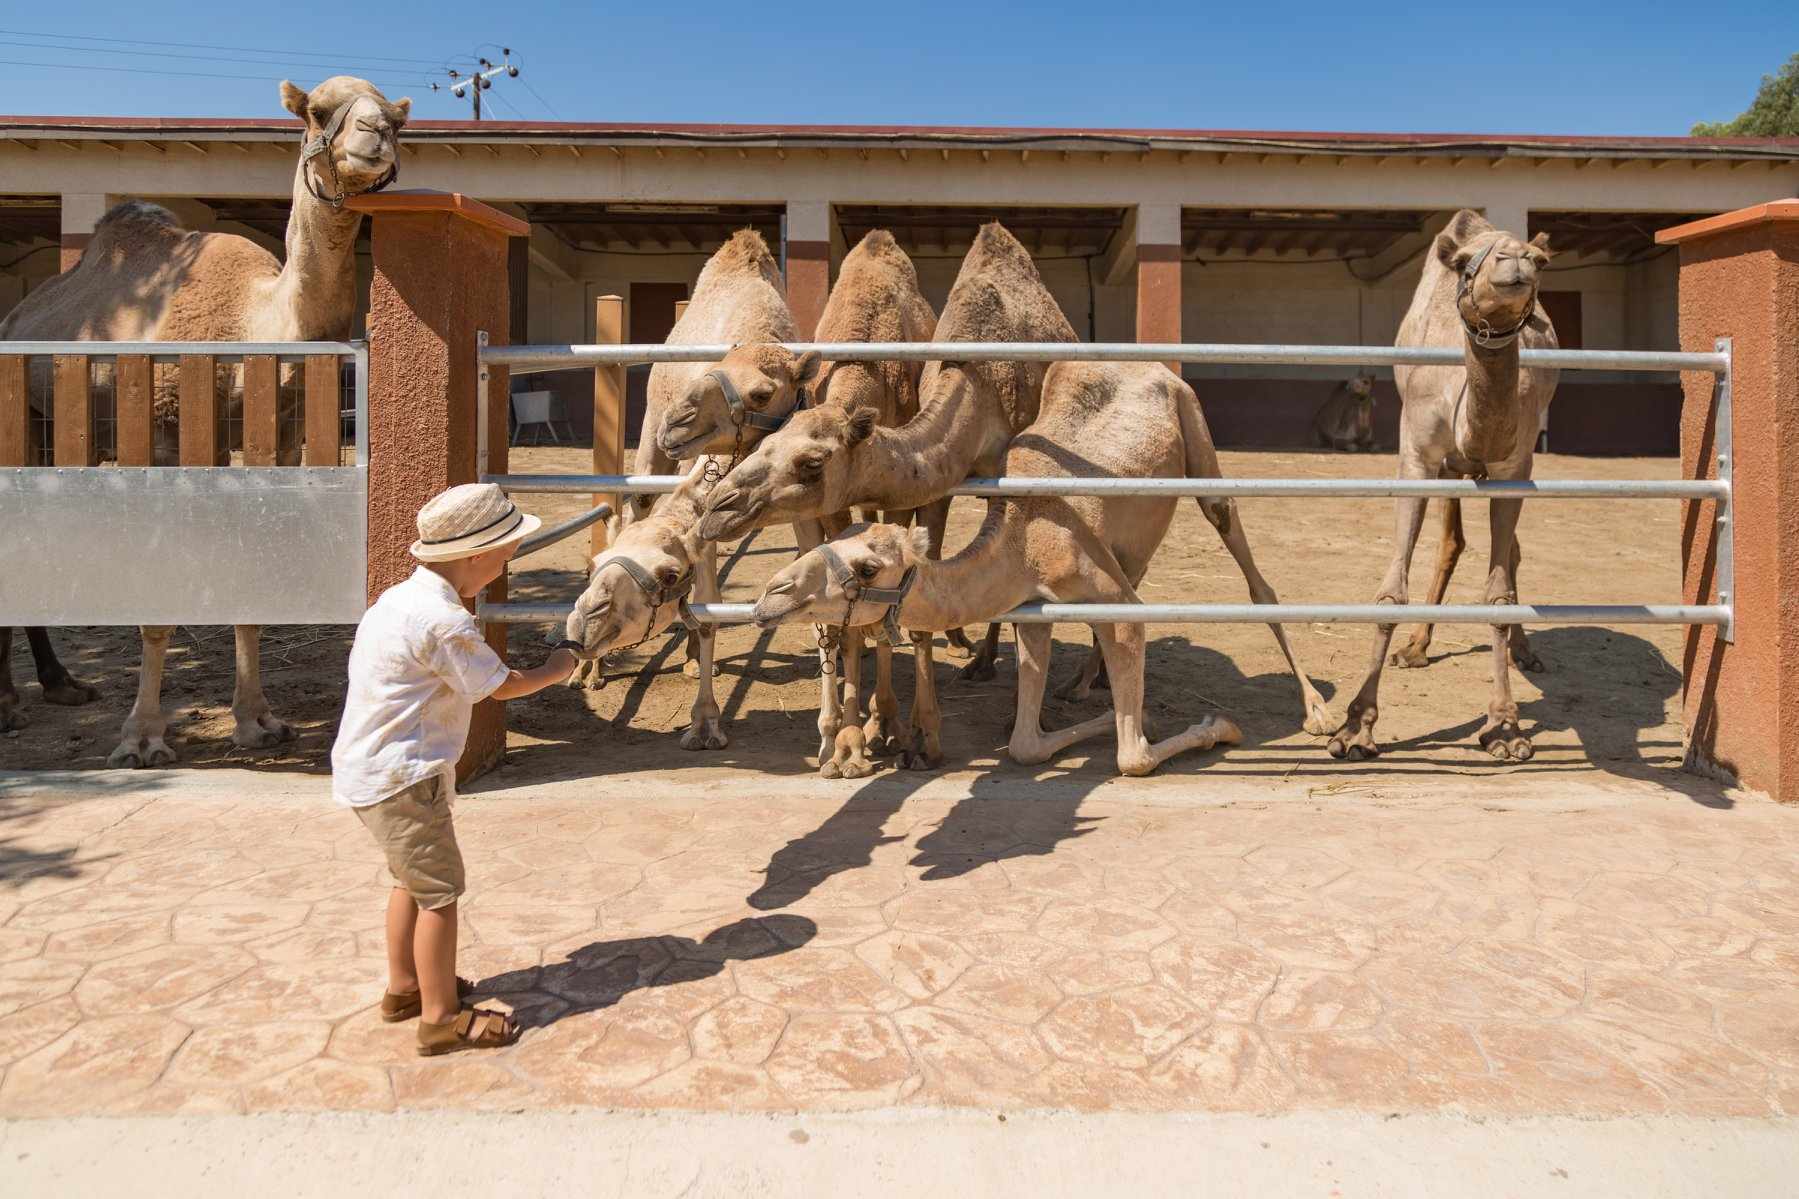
1528, 662
149, 751
11, 718
70, 693
1359, 747
858, 769
263, 732
706, 735
979, 670
918, 759
1318, 720
1408, 658
692, 669
1074, 690
829, 770
1506, 742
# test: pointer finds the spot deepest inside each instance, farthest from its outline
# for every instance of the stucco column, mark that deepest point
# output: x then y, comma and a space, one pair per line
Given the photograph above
1158, 229
1739, 278
440, 264
81, 211
808, 262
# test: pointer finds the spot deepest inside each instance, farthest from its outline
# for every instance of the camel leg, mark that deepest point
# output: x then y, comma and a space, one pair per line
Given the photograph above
1092, 676
1030, 745
885, 729
1522, 656
934, 516
830, 699
982, 667
60, 687
1449, 551
10, 716
1501, 736
704, 730
1229, 524
1355, 738
1137, 755
257, 727
849, 756
926, 752
141, 742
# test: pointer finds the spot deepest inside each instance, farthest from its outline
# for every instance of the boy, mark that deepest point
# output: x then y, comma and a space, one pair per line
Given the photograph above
417, 668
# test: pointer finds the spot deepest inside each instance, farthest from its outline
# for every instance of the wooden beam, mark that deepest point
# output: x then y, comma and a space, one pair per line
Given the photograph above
260, 411
323, 402
15, 411
199, 411
133, 385
73, 402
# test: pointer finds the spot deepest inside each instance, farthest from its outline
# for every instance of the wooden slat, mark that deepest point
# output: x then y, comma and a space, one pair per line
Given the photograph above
322, 406
132, 378
261, 426
74, 411
15, 411
199, 411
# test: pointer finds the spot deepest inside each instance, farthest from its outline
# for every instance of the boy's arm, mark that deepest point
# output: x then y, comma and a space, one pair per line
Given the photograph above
520, 683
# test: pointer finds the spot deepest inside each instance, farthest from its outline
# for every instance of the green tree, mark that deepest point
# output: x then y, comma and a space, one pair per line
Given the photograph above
1775, 112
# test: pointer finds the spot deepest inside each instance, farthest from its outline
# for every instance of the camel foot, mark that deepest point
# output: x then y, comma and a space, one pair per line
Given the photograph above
1525, 660
1354, 741
1078, 688
1318, 717
959, 642
885, 737
70, 692
588, 676
920, 755
260, 732
1506, 741
11, 718
829, 769
137, 752
1409, 658
707, 733
692, 669
980, 669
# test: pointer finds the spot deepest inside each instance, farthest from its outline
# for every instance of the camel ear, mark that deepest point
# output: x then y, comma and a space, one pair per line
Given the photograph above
861, 424
400, 111
293, 99
806, 369
921, 541
1541, 242
1450, 253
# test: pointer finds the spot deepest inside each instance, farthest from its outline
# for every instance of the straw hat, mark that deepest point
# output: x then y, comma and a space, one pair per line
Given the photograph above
468, 520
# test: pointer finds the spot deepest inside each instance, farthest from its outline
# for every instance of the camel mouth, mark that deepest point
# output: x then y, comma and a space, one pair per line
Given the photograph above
687, 447
771, 610
720, 524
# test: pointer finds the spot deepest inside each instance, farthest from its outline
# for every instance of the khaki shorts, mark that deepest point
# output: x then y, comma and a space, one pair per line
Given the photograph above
414, 830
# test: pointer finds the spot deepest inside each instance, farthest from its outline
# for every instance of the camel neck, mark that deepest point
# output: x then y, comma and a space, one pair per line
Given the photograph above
315, 294
958, 425
1491, 413
988, 577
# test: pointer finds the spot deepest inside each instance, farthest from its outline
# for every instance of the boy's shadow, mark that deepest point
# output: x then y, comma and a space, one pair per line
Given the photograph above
597, 976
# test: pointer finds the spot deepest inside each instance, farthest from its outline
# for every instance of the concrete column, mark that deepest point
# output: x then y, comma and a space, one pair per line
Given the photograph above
440, 264
808, 262
81, 211
1158, 234
1739, 278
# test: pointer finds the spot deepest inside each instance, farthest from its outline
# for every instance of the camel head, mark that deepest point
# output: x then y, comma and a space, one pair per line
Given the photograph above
634, 590
352, 135
749, 393
801, 470
1496, 276
876, 556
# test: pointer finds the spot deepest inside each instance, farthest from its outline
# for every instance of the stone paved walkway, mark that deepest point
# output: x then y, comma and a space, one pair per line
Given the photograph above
194, 942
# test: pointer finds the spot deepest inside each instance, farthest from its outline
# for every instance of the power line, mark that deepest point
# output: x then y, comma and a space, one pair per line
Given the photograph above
277, 62
76, 66
547, 105
120, 41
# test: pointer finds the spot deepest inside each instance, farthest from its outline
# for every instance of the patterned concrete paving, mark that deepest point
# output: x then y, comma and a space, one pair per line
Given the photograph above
198, 942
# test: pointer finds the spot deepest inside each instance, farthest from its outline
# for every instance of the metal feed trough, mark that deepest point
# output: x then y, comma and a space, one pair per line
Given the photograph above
523, 360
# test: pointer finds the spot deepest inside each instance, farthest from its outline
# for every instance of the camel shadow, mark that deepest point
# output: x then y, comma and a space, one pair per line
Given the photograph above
26, 800
599, 975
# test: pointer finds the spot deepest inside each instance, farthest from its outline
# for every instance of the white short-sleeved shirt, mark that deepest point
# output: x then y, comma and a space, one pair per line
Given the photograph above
417, 668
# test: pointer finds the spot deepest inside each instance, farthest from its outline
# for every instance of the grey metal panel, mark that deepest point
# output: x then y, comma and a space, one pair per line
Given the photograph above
183, 545
1487, 614
1582, 489
526, 360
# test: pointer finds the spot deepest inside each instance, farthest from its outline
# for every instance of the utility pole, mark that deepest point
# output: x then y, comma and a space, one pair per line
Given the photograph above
481, 80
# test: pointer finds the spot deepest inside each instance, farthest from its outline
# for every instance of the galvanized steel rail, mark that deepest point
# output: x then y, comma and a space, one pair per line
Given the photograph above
171, 351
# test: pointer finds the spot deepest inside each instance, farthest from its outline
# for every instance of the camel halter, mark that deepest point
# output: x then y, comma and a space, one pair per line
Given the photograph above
1484, 335
322, 145
744, 417
658, 595
856, 593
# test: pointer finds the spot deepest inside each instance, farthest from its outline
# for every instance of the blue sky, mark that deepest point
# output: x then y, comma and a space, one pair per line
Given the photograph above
1578, 68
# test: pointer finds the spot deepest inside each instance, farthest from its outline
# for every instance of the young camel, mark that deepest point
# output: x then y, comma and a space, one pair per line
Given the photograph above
1099, 420
968, 413
144, 278
1478, 420
876, 299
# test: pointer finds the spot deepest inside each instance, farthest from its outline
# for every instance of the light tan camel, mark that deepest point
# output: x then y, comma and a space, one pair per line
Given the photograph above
1477, 420
826, 461
1099, 420
144, 278
1345, 422
876, 299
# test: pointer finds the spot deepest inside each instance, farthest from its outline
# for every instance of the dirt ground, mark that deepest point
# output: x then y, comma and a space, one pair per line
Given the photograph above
1609, 698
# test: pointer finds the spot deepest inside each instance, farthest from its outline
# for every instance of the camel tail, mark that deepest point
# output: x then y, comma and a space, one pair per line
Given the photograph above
1202, 457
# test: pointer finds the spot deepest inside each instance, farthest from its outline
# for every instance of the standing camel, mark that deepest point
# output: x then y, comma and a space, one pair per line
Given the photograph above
144, 278
1478, 420
1099, 420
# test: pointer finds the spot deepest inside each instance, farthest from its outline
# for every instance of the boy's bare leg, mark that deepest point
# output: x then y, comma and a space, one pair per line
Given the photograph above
402, 922
434, 950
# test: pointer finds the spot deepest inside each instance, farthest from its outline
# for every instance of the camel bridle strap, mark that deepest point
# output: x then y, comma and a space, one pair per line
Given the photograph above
855, 592
658, 594
742, 415
322, 145
1484, 334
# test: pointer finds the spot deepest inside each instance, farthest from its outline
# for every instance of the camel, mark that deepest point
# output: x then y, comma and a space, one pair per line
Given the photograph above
826, 460
1345, 422
876, 299
1098, 420
144, 278
1478, 420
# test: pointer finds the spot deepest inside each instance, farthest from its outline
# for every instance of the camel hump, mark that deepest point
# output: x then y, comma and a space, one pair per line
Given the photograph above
132, 226
746, 252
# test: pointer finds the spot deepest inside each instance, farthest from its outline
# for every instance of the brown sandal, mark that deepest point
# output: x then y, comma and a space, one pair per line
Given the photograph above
473, 1028
398, 1007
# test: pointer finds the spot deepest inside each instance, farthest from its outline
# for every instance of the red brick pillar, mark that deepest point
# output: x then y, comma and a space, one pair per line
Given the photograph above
440, 277
1739, 278
1158, 231
808, 263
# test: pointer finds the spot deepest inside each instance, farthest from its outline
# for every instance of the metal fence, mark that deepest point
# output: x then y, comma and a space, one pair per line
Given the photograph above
530, 359
138, 519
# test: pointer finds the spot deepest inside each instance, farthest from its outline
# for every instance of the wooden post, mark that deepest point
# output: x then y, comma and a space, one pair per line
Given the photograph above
15, 411
608, 408
261, 420
199, 411
680, 310
1739, 274
133, 384
324, 431
74, 406
440, 277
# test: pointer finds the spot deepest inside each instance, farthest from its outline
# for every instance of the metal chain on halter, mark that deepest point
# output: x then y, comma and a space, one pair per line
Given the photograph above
742, 417
855, 592
1484, 334
657, 593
